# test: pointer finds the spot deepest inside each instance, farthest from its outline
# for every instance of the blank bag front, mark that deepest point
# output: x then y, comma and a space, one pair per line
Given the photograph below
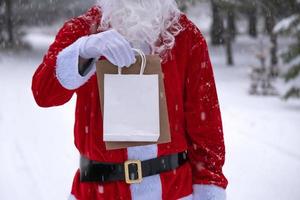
131, 107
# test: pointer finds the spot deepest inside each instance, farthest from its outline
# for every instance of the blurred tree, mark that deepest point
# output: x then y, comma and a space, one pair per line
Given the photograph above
291, 27
262, 83
231, 30
270, 24
6, 22
231, 19
9, 21
225, 33
229, 36
273, 11
249, 8
217, 28
252, 30
182, 4
2, 25
270, 9
16, 14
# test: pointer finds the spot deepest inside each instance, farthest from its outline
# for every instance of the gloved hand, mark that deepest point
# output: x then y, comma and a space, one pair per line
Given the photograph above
110, 44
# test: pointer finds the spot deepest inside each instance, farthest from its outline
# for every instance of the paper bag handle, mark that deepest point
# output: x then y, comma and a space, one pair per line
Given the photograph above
143, 65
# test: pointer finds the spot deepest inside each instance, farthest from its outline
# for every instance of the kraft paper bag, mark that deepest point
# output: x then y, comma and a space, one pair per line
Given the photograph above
153, 67
131, 106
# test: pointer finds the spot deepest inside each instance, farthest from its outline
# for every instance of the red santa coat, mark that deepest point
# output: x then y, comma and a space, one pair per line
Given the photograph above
193, 109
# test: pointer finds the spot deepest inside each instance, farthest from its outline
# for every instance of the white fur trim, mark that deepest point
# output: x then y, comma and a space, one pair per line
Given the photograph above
150, 188
208, 192
67, 67
189, 197
142, 152
72, 197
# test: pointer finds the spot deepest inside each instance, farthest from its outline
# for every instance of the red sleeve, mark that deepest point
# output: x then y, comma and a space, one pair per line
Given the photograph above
46, 88
203, 117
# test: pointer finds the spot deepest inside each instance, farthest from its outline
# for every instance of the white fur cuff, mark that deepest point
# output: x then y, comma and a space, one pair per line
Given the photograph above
67, 67
72, 197
208, 192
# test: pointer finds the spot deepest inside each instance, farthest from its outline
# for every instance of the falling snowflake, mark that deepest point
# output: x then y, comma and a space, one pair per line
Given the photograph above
100, 189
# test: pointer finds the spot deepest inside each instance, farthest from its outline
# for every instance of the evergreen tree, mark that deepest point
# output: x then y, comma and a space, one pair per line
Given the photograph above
273, 11
291, 27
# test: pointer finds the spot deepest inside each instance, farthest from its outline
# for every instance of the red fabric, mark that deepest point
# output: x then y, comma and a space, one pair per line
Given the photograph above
193, 109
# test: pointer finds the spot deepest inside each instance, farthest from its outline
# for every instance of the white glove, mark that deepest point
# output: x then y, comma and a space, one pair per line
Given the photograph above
110, 44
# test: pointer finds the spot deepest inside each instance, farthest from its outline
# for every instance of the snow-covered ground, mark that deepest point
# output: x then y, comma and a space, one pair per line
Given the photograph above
38, 158
261, 135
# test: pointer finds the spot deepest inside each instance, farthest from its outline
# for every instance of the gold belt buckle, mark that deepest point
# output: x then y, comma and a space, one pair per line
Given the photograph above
139, 171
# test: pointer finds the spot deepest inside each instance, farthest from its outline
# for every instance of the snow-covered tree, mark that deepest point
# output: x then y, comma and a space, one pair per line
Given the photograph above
273, 11
291, 27
262, 81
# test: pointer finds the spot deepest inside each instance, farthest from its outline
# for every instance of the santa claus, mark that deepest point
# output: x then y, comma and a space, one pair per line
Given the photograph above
188, 167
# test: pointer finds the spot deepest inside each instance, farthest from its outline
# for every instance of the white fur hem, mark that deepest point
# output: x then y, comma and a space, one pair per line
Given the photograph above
72, 197
150, 188
67, 67
189, 197
208, 192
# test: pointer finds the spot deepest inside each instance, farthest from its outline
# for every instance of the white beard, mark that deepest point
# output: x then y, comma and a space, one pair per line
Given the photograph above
154, 22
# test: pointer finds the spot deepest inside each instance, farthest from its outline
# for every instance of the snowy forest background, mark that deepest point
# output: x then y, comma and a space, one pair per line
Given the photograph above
255, 49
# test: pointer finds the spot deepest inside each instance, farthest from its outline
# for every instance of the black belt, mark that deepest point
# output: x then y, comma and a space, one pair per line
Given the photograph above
132, 171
